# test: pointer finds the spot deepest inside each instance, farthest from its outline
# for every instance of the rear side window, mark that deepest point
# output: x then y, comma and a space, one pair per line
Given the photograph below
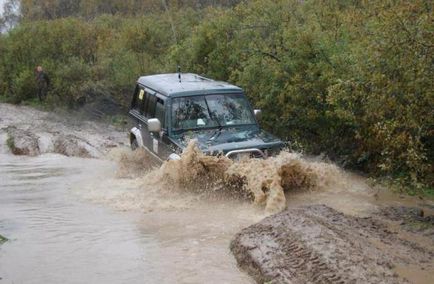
159, 111
150, 105
135, 103
142, 98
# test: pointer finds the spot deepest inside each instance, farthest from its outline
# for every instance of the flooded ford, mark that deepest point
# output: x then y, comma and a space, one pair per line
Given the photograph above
77, 205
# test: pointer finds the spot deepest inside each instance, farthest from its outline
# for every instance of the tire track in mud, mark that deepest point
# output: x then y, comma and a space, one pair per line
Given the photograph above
316, 244
34, 132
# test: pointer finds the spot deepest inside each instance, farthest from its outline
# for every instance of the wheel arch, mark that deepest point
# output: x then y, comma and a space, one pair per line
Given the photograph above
136, 135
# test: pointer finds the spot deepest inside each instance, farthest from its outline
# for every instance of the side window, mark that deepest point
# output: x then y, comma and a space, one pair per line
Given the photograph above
150, 105
159, 111
135, 103
141, 97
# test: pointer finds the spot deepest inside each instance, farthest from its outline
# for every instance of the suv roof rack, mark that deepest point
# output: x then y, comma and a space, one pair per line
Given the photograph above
191, 84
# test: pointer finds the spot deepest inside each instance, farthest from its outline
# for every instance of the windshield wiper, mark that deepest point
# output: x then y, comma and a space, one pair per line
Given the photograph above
220, 127
213, 117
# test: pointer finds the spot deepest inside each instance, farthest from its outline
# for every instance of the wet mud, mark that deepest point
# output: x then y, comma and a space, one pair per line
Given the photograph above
27, 131
317, 244
418, 220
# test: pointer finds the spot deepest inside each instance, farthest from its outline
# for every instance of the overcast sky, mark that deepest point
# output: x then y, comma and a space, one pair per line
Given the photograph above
1, 6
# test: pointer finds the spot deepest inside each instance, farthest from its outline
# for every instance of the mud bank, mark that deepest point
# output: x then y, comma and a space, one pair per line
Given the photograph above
27, 131
317, 244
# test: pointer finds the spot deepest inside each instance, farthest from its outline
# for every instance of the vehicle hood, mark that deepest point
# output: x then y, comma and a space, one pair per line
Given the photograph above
228, 139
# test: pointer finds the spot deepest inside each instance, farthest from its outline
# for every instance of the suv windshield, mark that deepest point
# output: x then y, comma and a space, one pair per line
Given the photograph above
210, 111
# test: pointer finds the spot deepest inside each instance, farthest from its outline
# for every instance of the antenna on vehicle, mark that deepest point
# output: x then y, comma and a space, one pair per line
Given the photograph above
179, 73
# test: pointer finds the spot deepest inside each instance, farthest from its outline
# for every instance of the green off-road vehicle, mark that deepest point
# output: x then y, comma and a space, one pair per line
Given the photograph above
168, 110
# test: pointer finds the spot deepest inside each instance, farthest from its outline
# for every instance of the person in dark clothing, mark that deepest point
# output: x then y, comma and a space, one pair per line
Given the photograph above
43, 82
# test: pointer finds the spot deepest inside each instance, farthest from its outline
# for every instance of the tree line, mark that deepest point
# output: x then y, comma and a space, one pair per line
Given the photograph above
351, 79
32, 10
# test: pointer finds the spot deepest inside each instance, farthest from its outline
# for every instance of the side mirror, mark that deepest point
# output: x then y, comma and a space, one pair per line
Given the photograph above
154, 125
258, 113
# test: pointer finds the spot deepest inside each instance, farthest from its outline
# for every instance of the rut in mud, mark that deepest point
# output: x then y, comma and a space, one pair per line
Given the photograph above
31, 132
317, 244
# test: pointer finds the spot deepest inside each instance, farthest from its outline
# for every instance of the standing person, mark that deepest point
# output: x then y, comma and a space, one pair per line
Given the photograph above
43, 82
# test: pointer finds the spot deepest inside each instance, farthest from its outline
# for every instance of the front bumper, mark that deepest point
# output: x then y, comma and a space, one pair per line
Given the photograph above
251, 152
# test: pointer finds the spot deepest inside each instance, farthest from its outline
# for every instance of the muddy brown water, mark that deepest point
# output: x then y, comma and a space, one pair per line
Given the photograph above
74, 220
57, 236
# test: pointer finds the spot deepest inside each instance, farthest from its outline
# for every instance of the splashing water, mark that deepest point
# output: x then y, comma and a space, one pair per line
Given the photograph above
264, 181
133, 164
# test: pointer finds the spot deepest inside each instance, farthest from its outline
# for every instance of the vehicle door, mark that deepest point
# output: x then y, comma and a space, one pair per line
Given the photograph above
147, 110
161, 144
135, 107
137, 113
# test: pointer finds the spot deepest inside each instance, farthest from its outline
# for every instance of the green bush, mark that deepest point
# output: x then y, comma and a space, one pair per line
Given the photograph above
23, 87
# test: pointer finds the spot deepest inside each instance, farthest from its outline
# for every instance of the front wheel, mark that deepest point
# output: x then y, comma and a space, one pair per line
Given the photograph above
134, 144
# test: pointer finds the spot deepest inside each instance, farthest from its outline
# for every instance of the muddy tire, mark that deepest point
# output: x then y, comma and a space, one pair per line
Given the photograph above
134, 144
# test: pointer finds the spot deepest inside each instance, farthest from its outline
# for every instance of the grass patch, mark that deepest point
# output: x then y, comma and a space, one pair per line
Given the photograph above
428, 192
417, 225
4, 99
119, 121
400, 186
3, 239
45, 105
10, 142
414, 190
9, 100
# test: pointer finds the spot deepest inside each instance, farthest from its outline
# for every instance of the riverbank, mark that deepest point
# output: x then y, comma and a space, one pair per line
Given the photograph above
28, 131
